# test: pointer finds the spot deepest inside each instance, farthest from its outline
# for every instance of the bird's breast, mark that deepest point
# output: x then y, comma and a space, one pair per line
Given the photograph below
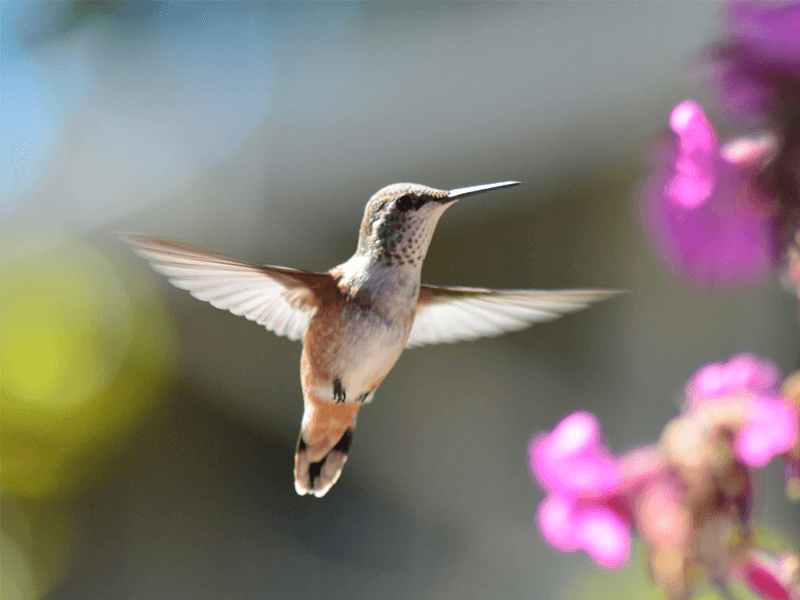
357, 346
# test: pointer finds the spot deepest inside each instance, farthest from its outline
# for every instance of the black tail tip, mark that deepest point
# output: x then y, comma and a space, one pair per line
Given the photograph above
318, 477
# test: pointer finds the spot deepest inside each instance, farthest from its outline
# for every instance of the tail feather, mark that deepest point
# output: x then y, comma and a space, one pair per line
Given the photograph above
325, 438
318, 477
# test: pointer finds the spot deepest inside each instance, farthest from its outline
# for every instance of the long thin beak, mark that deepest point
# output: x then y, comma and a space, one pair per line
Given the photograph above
459, 193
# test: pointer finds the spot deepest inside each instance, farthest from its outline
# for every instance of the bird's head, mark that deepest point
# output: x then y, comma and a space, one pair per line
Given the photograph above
399, 220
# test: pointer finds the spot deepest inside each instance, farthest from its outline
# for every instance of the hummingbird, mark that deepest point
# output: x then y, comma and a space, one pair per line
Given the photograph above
355, 320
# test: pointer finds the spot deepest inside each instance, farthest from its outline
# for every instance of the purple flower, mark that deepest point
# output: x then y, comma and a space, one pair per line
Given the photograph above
702, 206
721, 213
757, 74
758, 68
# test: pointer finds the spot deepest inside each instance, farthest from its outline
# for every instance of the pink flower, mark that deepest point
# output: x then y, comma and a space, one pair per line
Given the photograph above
772, 430
765, 424
743, 373
573, 459
693, 178
689, 497
702, 206
569, 525
573, 464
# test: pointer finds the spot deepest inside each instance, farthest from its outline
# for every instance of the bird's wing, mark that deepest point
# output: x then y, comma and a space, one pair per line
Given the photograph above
451, 314
280, 299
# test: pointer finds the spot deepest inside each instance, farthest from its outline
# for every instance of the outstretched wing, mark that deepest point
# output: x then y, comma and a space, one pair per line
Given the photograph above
451, 314
280, 299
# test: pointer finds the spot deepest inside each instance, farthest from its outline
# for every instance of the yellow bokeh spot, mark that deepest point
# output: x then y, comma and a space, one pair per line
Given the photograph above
41, 365
84, 357
66, 324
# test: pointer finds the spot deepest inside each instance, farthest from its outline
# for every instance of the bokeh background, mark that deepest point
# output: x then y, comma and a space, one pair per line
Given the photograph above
147, 438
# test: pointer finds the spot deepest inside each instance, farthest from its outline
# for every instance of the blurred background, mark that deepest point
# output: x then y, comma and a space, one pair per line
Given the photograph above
148, 438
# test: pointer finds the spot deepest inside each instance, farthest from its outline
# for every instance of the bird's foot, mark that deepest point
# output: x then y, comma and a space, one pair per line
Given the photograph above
339, 395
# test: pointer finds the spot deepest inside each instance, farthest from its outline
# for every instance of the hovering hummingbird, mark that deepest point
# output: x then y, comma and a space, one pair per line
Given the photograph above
356, 319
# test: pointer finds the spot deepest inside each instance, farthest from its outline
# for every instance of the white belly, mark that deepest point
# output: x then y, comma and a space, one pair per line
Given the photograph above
364, 365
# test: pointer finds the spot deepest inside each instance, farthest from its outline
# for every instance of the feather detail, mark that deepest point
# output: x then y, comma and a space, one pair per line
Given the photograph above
279, 298
451, 314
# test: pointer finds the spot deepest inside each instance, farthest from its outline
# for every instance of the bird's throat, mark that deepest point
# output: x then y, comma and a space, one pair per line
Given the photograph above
392, 289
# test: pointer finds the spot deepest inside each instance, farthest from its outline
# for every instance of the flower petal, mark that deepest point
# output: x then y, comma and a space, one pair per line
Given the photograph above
770, 29
604, 536
693, 180
706, 214
572, 458
742, 374
773, 430
556, 520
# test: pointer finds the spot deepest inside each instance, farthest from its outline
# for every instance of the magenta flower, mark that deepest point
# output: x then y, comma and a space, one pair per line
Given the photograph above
689, 497
744, 373
573, 464
771, 431
569, 525
702, 206
573, 459
774, 577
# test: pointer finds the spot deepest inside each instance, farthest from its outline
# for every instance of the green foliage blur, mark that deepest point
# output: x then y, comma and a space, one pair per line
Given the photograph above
85, 358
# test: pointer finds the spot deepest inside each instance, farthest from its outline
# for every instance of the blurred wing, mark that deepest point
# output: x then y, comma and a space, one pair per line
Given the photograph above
280, 299
452, 314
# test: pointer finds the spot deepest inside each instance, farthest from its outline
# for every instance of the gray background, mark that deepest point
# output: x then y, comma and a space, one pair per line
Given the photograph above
269, 155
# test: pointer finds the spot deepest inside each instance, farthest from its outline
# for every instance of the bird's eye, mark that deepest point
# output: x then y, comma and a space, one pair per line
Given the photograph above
405, 203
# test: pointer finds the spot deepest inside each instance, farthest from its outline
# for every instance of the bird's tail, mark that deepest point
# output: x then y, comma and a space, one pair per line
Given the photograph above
325, 437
